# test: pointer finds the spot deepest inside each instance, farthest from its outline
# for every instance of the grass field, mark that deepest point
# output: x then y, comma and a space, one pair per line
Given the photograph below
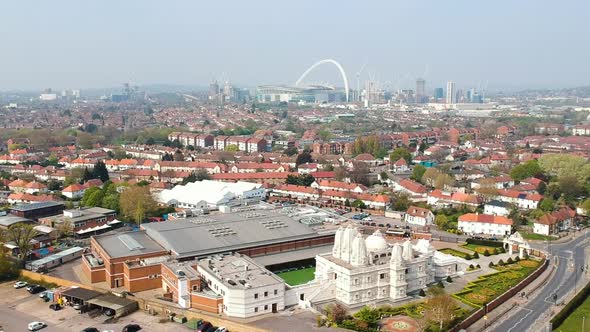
454, 252
533, 236
479, 248
574, 321
298, 277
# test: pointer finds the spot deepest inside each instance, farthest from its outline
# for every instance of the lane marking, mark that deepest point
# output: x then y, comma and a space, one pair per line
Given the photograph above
520, 321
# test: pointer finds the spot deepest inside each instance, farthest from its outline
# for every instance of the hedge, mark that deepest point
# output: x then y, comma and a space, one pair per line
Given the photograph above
570, 307
488, 243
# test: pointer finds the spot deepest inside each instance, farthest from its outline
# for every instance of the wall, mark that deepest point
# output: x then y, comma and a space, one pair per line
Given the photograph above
141, 278
206, 303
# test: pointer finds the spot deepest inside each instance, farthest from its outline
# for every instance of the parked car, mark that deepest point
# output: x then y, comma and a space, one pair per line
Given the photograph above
37, 289
211, 329
131, 328
78, 306
91, 329
221, 329
20, 284
55, 307
109, 312
204, 327
34, 326
43, 294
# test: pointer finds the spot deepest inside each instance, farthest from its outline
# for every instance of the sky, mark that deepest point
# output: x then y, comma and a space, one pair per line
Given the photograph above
495, 44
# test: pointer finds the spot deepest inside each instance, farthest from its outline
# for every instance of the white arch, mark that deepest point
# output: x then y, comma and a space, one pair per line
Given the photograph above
335, 63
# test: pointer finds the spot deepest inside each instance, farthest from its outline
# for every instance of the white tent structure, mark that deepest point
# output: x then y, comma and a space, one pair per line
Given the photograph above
207, 193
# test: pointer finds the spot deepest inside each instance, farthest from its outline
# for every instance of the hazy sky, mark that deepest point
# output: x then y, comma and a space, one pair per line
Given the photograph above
82, 43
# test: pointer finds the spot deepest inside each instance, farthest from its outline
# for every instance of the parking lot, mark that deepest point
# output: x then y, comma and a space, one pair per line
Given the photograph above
18, 308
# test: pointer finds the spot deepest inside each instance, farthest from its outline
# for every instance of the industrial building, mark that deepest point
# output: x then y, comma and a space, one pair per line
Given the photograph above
211, 194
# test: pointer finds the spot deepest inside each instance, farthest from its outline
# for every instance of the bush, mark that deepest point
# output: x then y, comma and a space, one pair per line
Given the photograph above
320, 321
471, 266
477, 266
496, 251
501, 263
486, 253
509, 261
517, 259
440, 284
422, 293
476, 255
468, 257
487, 243
449, 279
491, 264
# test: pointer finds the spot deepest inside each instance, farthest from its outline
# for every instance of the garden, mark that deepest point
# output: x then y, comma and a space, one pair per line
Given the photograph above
481, 249
457, 253
488, 287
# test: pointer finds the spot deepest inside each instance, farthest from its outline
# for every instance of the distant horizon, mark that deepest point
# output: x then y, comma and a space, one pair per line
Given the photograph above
497, 46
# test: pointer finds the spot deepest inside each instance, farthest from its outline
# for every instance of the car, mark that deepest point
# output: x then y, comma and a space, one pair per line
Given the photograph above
109, 312
211, 329
91, 329
43, 294
367, 219
55, 307
204, 327
221, 329
34, 326
20, 284
77, 306
131, 328
37, 289
29, 287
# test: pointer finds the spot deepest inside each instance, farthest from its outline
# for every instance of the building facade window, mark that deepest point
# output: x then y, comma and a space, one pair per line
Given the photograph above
255, 295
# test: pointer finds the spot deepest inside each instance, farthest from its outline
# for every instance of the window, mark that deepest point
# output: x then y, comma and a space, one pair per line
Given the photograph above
255, 295
382, 276
266, 307
276, 291
356, 281
368, 279
255, 309
265, 294
407, 271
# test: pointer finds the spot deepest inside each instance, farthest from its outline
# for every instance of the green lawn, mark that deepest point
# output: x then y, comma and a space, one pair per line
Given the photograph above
574, 321
533, 236
298, 277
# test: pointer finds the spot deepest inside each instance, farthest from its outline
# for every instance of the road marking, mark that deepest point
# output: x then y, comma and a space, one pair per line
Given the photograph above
520, 321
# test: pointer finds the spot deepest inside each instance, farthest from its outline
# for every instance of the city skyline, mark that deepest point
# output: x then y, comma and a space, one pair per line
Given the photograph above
102, 45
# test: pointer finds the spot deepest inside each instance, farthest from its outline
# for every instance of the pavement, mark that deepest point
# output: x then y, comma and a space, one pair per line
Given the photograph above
563, 278
18, 308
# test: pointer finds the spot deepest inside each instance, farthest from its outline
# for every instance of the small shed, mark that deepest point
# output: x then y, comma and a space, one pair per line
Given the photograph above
120, 305
77, 295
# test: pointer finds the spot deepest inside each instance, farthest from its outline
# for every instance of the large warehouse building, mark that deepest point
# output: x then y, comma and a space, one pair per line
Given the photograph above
211, 194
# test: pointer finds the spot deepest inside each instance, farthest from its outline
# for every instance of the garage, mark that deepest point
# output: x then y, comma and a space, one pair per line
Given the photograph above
77, 295
119, 306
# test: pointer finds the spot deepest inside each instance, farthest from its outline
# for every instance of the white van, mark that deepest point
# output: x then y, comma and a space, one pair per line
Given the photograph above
34, 326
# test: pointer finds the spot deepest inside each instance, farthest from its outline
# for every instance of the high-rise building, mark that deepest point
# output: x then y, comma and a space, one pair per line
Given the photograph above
420, 91
214, 91
451, 98
439, 94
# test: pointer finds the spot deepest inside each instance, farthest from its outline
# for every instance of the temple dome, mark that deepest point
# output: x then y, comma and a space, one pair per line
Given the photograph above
376, 242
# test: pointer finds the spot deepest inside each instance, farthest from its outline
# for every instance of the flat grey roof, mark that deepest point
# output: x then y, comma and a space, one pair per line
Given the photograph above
99, 210
34, 206
81, 293
128, 244
292, 255
9, 220
201, 236
496, 202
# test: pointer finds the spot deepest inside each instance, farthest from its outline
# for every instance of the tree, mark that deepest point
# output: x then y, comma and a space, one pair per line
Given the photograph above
100, 171
232, 148
383, 175
359, 173
303, 158
441, 221
526, 170
21, 235
400, 202
137, 203
290, 151
429, 176
178, 156
586, 206
357, 203
443, 181
64, 229
86, 175
418, 172
400, 153
199, 175
92, 197
487, 187
547, 204
336, 313
324, 134
300, 180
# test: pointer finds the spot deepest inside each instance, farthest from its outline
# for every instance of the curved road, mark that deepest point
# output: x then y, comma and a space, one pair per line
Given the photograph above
561, 282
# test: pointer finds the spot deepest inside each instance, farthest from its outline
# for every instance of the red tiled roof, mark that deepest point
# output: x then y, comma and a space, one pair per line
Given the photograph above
413, 186
485, 218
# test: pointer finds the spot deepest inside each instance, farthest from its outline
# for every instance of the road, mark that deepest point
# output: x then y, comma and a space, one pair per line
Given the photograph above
560, 283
